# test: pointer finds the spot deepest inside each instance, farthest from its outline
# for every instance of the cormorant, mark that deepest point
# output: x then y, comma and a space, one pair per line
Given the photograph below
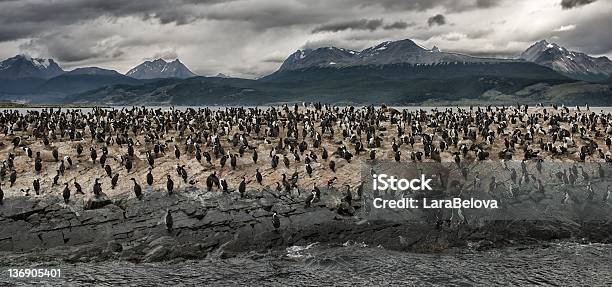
275, 221
13, 177
168, 220
332, 165
36, 185
149, 178
170, 184
66, 193
137, 189
258, 176
97, 188
114, 180
77, 186
242, 187
93, 154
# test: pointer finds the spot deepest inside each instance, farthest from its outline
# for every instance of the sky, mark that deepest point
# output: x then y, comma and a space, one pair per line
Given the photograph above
251, 38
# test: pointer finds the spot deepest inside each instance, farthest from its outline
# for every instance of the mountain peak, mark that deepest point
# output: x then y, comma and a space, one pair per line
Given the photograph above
403, 51
24, 66
571, 63
160, 68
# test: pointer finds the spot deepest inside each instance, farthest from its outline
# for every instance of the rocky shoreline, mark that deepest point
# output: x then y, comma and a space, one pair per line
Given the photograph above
223, 225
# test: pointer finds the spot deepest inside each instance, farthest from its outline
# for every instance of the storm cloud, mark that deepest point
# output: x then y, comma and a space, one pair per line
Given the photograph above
362, 24
398, 25
568, 4
436, 20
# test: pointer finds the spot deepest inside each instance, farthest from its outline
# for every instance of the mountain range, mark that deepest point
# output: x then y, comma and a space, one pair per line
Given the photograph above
160, 69
386, 53
571, 63
395, 72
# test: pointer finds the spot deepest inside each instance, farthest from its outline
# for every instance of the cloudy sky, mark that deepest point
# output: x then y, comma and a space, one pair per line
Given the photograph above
250, 38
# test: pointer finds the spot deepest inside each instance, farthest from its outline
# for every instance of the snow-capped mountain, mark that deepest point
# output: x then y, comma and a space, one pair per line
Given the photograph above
221, 75
160, 69
391, 52
22, 66
571, 63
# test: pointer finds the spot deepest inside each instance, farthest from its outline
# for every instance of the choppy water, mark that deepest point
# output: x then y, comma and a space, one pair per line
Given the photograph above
182, 108
557, 264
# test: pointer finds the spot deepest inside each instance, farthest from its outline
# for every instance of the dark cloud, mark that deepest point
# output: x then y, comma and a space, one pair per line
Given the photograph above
69, 49
399, 25
436, 20
40, 15
422, 5
569, 4
589, 36
362, 24
486, 3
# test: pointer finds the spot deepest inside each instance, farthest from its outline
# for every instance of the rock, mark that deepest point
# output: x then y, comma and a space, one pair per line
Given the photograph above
134, 230
158, 253
345, 209
114, 246
93, 202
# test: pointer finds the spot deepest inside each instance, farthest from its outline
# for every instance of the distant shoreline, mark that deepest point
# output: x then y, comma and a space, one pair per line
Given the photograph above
6, 105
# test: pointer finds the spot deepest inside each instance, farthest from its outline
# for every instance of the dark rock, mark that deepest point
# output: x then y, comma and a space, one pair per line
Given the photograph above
114, 246
93, 202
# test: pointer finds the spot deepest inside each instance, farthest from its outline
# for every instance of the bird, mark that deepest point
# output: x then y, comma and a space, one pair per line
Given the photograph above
36, 186
108, 170
331, 182
224, 186
332, 165
149, 178
242, 187
275, 221
13, 177
97, 188
169, 221
1, 195
169, 184
66, 193
258, 176
93, 154
310, 199
114, 180
56, 178
137, 189
177, 152
77, 186
128, 164
211, 180
255, 156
